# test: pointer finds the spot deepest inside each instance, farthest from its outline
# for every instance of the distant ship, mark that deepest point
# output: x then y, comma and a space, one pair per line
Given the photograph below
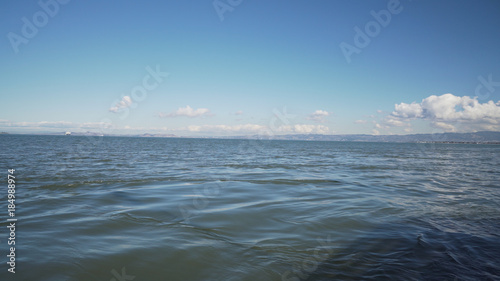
68, 134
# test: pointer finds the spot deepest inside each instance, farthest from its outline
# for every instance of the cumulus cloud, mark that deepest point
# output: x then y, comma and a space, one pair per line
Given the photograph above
360, 121
188, 112
450, 113
125, 102
239, 112
405, 110
318, 115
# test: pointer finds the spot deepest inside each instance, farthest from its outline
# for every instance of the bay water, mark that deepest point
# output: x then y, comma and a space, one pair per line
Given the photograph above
130, 208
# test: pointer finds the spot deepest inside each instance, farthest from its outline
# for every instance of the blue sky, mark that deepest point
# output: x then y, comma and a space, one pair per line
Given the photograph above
238, 67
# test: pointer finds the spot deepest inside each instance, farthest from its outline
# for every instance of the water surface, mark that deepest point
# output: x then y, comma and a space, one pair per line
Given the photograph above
92, 208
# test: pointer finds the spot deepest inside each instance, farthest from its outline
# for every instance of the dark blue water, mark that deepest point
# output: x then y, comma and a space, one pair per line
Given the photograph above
118, 208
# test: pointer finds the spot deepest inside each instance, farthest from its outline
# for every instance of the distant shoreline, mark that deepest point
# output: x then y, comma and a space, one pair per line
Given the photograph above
443, 138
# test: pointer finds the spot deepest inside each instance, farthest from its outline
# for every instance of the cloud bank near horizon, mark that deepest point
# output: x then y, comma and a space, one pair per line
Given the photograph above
187, 111
260, 129
445, 113
109, 128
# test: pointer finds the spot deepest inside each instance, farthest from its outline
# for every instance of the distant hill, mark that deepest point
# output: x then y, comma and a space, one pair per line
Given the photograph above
158, 136
477, 137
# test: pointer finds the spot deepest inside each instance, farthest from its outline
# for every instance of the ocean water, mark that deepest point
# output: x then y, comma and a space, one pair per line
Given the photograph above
123, 208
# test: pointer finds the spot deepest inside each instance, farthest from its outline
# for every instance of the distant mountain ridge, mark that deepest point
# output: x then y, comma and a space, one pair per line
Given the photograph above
477, 137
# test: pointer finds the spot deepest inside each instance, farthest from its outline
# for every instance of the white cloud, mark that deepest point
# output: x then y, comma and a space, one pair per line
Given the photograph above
405, 110
442, 107
301, 129
239, 112
188, 112
310, 129
318, 115
56, 125
450, 113
125, 102
392, 121
445, 126
96, 125
41, 124
248, 128
260, 129
109, 127
194, 128
360, 121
